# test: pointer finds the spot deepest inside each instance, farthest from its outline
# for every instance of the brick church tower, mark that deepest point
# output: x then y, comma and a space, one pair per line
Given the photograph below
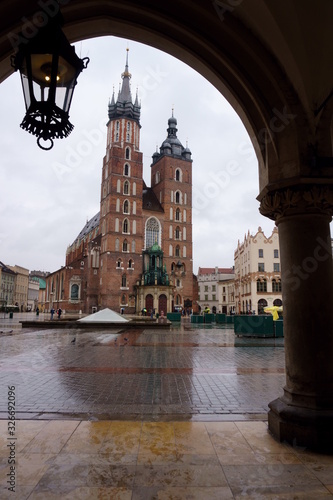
137, 251
121, 202
171, 181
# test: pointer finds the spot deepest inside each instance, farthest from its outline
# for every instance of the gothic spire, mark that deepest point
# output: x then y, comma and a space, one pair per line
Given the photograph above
124, 106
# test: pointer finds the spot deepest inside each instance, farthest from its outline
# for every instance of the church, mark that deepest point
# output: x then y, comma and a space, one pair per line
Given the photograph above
136, 252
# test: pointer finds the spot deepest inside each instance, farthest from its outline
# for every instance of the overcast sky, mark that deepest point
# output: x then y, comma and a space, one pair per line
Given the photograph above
47, 196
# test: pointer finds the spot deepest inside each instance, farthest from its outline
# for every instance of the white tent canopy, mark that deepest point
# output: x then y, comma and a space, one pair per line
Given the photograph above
104, 316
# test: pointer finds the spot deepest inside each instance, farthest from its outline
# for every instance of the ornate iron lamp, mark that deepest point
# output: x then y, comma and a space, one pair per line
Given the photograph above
49, 68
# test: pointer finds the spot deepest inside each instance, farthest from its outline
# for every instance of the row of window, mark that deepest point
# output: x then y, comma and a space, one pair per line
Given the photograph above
246, 256
126, 246
177, 175
262, 286
276, 267
261, 253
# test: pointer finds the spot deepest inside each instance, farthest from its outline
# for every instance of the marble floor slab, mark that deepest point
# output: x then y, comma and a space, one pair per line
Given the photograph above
139, 460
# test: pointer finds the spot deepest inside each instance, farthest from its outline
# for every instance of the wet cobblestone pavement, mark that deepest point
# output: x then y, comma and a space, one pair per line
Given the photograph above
187, 372
147, 415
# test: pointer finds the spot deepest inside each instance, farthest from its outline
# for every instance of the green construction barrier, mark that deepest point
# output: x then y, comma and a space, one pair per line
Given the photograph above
196, 318
278, 325
230, 319
254, 326
174, 316
220, 318
209, 318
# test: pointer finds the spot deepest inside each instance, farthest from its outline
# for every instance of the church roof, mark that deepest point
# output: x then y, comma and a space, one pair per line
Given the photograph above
90, 225
150, 201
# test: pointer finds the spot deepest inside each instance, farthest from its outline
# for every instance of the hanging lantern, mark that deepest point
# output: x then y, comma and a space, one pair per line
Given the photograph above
49, 68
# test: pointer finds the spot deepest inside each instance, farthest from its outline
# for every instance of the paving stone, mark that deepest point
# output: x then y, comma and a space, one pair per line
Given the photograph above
192, 371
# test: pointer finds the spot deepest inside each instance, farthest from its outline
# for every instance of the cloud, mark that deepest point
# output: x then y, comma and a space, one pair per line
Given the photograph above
46, 197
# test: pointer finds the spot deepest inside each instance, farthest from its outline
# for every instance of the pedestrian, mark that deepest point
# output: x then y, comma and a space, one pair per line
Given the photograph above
59, 312
37, 311
122, 310
52, 312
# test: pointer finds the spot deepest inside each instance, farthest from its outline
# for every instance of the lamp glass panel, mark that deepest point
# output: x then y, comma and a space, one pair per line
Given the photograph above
26, 92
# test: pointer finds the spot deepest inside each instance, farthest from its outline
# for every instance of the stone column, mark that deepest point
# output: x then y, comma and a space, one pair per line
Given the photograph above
303, 416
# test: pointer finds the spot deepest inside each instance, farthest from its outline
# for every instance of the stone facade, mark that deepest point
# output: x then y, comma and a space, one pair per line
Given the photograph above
21, 287
216, 289
105, 264
7, 285
257, 272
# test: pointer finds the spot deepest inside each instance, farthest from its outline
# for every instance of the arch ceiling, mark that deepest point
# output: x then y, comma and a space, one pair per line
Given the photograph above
271, 60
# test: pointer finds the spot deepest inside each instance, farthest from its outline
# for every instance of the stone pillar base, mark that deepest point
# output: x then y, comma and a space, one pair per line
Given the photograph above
301, 427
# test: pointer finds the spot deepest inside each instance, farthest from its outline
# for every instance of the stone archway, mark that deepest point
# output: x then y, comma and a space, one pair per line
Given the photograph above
279, 83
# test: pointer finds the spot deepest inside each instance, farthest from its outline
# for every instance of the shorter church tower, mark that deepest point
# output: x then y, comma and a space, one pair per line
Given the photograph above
171, 180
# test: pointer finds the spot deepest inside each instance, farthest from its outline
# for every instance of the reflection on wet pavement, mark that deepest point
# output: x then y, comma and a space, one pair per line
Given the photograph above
189, 372
148, 415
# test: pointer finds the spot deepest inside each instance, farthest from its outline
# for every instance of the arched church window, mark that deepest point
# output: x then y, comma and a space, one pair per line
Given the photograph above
127, 153
125, 226
74, 292
152, 232
178, 175
178, 197
126, 170
125, 246
123, 280
126, 187
126, 207
177, 251
178, 214
177, 233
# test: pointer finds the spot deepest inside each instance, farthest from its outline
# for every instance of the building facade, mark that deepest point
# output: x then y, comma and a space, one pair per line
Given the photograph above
7, 285
257, 273
21, 287
116, 260
216, 289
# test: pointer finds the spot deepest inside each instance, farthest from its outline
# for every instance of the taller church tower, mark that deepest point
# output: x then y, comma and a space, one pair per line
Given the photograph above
121, 202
